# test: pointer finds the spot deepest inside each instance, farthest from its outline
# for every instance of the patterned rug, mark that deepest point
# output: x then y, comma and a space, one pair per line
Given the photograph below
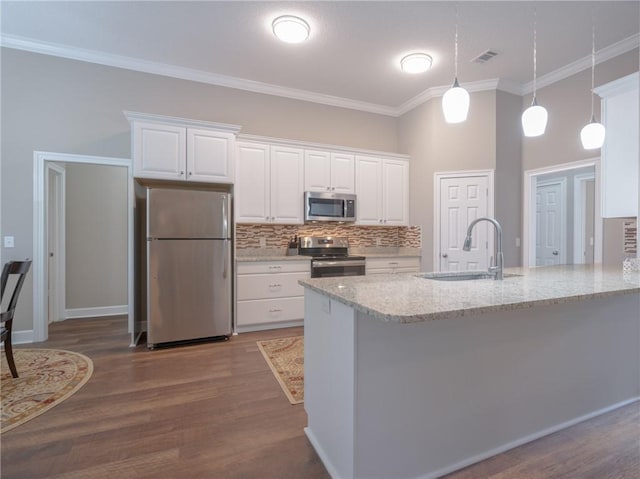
46, 378
285, 357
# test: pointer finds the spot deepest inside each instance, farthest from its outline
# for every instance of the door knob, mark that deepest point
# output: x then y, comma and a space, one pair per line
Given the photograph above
555, 252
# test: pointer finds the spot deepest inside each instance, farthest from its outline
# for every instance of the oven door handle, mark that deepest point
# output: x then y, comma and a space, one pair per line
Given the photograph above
329, 264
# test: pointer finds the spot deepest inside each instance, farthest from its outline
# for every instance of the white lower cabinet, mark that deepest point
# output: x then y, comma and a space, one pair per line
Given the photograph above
392, 265
268, 294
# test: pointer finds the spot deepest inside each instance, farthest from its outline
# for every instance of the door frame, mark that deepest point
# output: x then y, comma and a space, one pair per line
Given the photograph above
59, 250
563, 215
40, 200
437, 180
528, 219
579, 215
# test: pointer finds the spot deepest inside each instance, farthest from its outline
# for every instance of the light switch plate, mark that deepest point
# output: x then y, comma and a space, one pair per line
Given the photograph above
8, 242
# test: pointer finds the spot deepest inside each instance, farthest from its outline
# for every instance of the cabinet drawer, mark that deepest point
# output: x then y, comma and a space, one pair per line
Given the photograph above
265, 311
264, 286
273, 267
395, 263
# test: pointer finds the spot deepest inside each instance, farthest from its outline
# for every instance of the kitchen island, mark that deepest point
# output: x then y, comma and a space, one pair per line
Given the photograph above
408, 377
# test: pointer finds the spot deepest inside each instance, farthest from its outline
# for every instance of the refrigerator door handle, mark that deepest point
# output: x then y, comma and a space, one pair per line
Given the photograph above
226, 257
225, 222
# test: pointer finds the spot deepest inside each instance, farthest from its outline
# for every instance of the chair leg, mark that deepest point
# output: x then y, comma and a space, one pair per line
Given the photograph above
8, 349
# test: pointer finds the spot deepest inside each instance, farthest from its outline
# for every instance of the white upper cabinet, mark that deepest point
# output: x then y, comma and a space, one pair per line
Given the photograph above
210, 156
619, 173
329, 171
269, 184
382, 187
169, 148
253, 186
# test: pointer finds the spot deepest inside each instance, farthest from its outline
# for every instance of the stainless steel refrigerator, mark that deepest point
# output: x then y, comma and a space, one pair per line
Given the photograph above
188, 259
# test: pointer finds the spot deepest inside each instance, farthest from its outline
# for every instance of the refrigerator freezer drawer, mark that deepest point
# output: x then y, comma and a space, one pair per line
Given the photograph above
265, 311
189, 293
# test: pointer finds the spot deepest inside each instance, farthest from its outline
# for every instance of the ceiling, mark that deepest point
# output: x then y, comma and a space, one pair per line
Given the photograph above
352, 56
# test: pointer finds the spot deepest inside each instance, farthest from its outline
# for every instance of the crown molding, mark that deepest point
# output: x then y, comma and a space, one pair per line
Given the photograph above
621, 85
129, 63
176, 121
584, 63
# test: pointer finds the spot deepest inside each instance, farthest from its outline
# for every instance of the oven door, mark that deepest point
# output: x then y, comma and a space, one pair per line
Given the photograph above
322, 268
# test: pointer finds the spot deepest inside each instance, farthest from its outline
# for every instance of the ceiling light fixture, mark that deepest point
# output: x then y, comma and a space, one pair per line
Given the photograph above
416, 63
592, 135
455, 102
534, 118
290, 29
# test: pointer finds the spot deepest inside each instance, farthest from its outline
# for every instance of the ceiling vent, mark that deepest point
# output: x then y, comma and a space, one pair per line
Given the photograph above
485, 56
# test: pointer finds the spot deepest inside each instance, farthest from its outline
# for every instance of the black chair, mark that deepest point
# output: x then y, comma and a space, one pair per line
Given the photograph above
19, 268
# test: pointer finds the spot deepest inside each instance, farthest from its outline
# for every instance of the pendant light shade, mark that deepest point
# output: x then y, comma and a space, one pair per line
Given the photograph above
534, 119
455, 104
592, 135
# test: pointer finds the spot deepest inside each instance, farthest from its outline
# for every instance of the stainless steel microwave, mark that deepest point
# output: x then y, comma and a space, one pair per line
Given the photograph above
329, 207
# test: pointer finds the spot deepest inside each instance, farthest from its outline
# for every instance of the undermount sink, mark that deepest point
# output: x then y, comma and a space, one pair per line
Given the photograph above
460, 275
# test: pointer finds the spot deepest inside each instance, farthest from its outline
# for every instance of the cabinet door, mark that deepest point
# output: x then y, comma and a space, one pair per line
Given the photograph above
343, 173
252, 183
369, 190
317, 170
209, 156
395, 192
287, 182
620, 152
159, 151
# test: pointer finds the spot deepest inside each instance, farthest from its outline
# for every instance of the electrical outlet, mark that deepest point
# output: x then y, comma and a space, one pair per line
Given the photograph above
378, 241
263, 242
517, 242
8, 242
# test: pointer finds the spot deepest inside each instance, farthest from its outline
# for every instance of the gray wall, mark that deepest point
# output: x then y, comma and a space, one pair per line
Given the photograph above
59, 105
96, 236
436, 146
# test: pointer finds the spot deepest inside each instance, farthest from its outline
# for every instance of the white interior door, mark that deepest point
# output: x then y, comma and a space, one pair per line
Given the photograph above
463, 199
550, 211
55, 242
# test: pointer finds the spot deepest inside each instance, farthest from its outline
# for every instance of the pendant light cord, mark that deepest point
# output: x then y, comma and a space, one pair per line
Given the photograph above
455, 55
593, 60
535, 51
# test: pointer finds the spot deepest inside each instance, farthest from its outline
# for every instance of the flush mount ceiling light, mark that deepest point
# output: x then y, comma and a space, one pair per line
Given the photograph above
416, 63
592, 135
455, 102
534, 118
290, 29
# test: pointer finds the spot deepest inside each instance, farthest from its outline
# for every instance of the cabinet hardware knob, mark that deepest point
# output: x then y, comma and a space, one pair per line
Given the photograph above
181, 173
445, 255
555, 252
190, 173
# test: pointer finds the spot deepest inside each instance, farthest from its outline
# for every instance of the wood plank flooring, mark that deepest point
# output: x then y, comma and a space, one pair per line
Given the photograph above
215, 411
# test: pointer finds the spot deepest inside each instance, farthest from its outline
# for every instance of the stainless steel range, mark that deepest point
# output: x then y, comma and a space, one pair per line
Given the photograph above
330, 256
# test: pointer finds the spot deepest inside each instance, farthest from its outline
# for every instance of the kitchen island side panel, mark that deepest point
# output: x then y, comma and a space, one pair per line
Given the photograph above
329, 381
435, 396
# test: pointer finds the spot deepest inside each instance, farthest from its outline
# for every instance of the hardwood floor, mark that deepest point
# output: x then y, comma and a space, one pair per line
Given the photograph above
215, 411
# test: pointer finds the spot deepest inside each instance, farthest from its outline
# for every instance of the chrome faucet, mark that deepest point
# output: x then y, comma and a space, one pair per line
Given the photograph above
497, 269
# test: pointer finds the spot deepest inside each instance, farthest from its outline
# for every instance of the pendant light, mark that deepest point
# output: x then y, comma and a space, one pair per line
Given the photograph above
455, 102
534, 118
592, 135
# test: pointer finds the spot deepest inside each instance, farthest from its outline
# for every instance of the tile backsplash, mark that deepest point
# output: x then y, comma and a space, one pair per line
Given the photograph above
277, 236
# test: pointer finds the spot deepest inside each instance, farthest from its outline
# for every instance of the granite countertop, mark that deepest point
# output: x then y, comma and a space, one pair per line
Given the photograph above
408, 298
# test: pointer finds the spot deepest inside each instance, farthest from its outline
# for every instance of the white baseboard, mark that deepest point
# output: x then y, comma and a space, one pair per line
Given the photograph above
22, 337
96, 312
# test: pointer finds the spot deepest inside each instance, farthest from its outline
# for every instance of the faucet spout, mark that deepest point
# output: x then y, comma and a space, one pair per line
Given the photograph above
497, 269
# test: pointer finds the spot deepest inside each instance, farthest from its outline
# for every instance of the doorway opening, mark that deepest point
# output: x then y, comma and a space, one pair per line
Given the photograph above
562, 219
45, 235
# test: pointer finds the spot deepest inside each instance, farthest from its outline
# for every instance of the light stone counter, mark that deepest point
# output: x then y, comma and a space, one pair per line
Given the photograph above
390, 394
408, 298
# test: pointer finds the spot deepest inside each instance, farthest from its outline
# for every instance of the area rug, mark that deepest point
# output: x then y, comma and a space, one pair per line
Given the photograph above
285, 357
46, 378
